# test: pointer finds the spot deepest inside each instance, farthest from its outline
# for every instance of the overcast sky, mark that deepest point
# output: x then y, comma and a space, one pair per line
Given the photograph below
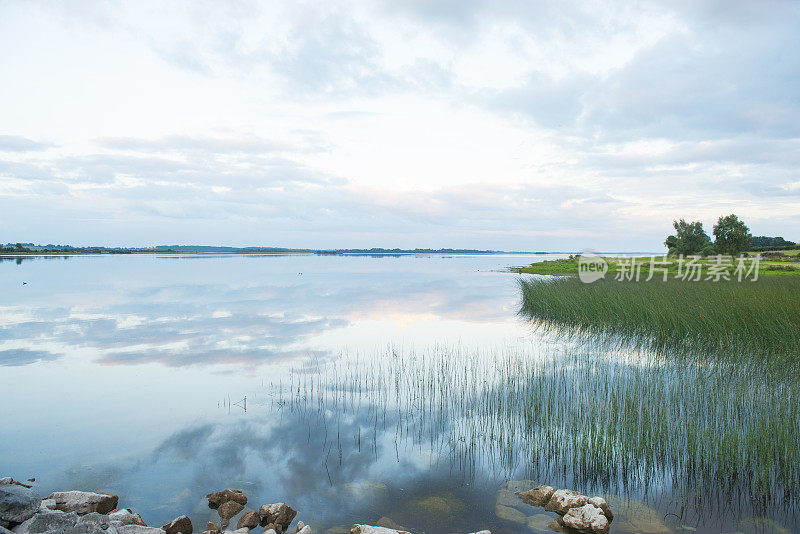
531, 125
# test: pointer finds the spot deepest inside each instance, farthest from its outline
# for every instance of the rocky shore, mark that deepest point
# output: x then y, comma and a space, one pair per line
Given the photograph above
23, 511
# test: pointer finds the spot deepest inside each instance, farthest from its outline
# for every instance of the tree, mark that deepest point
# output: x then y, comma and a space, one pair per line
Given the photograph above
689, 238
731, 235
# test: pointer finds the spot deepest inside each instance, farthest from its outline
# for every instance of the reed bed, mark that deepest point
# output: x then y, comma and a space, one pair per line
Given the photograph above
598, 420
735, 320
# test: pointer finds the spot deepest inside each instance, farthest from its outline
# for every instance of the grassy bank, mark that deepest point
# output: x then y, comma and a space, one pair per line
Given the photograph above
785, 262
750, 319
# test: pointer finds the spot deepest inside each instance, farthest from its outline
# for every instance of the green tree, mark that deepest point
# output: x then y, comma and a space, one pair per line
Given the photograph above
689, 238
731, 235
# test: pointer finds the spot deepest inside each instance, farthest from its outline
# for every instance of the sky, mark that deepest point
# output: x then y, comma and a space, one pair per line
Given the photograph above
530, 125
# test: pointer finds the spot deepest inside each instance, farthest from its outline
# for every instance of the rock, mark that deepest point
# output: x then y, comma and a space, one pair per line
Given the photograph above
388, 522
300, 526
603, 505
249, 519
562, 500
510, 514
17, 503
277, 513
240, 531
215, 500
555, 526
47, 504
540, 522
48, 521
229, 509
179, 525
212, 527
638, 517
482, 532
6, 480
84, 502
305, 530
138, 529
538, 496
4, 530
269, 531
369, 529
125, 517
587, 519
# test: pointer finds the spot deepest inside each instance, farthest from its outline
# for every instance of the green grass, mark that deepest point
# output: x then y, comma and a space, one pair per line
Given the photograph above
705, 318
589, 417
771, 264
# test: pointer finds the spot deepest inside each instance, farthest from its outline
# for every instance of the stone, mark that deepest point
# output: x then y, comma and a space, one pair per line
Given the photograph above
540, 522
6, 480
388, 522
538, 496
249, 519
126, 517
555, 526
84, 502
98, 519
562, 500
603, 505
305, 530
138, 529
18, 503
215, 500
4, 530
179, 525
586, 519
229, 509
269, 531
300, 526
47, 504
638, 517
212, 527
48, 521
510, 514
277, 513
242, 531
482, 532
369, 529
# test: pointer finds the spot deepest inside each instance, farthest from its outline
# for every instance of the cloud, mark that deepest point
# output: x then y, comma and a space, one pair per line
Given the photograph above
16, 143
17, 357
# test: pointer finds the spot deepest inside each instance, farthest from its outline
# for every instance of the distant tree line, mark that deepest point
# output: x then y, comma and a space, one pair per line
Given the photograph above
731, 237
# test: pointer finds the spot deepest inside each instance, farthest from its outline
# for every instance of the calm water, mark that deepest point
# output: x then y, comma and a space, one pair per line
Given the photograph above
127, 374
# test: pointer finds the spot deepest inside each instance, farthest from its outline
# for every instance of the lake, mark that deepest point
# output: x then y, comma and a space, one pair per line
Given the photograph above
355, 388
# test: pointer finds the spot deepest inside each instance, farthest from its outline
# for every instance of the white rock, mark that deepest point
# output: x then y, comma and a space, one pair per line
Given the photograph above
603, 505
369, 529
305, 530
84, 502
587, 519
270, 531
139, 529
47, 504
300, 526
126, 517
482, 532
562, 500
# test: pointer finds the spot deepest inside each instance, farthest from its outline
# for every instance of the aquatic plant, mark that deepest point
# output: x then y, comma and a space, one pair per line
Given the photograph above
735, 320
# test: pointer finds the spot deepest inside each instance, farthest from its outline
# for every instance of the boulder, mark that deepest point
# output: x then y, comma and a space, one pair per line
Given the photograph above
48, 521
305, 530
179, 525
18, 503
249, 519
212, 527
229, 509
4, 530
482, 532
47, 504
538, 496
215, 500
562, 500
125, 517
603, 505
587, 519
510, 514
84, 502
300, 526
369, 529
138, 529
277, 513
6, 480
269, 531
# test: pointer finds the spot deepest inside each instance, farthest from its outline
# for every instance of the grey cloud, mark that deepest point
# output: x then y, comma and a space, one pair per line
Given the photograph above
15, 143
17, 357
